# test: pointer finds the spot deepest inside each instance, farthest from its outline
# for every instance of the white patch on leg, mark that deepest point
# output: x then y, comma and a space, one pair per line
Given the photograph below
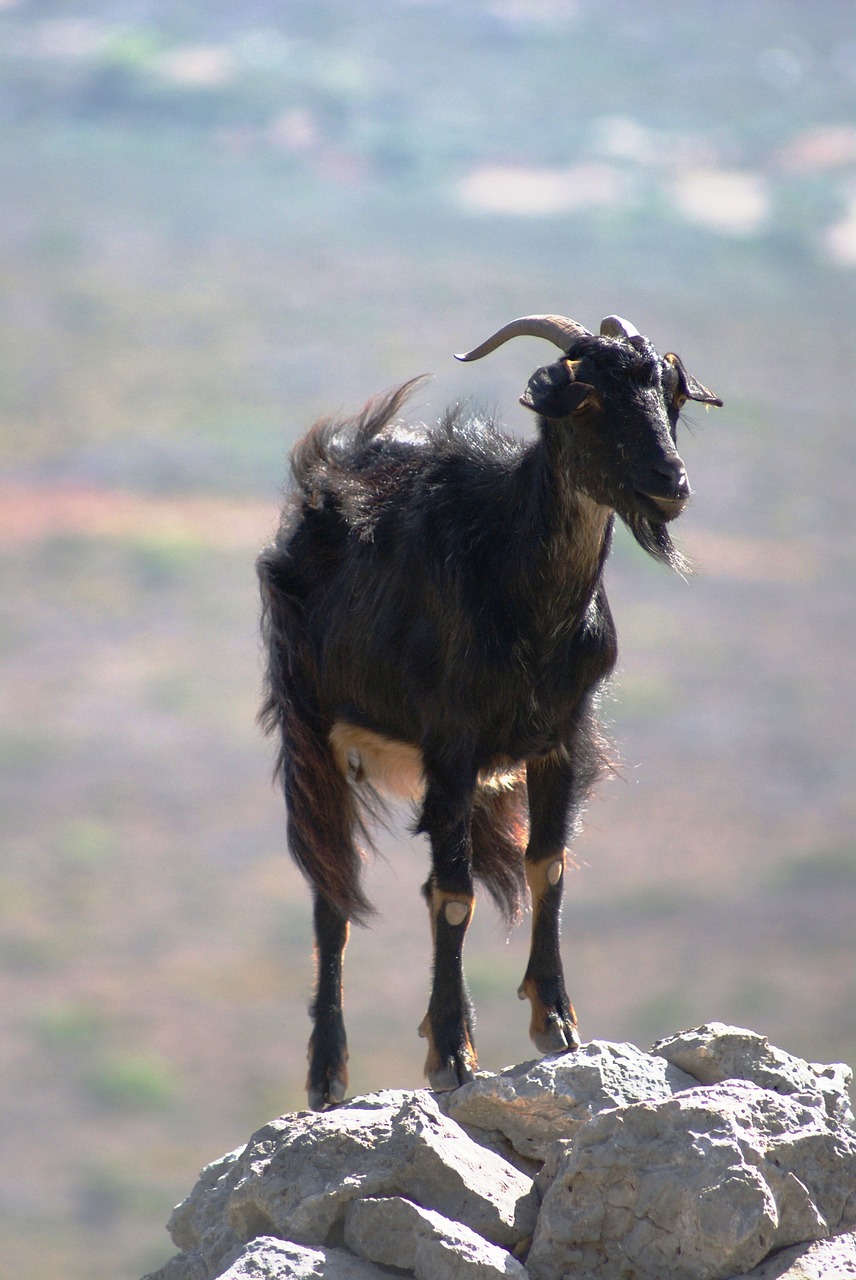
457, 912
554, 871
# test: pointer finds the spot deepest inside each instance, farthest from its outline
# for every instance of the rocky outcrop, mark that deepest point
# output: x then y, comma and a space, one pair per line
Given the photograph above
706, 1183
714, 1156
536, 1104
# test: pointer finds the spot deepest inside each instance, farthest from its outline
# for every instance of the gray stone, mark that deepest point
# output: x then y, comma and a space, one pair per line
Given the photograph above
267, 1258
713, 1155
298, 1173
833, 1259
699, 1186
198, 1225
538, 1102
296, 1176
184, 1266
716, 1052
398, 1233
187, 1224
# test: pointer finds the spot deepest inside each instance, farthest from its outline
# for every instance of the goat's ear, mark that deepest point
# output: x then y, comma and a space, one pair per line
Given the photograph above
690, 386
553, 391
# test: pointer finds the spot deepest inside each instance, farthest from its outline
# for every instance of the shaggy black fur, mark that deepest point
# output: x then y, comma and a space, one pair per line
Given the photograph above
441, 586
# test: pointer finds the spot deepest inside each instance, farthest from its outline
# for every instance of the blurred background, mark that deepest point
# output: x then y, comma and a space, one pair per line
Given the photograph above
218, 221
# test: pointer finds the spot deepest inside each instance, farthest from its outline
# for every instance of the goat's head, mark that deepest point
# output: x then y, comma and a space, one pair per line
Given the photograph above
612, 403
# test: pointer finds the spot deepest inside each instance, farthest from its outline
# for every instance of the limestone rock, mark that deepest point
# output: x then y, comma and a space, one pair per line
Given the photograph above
184, 1266
833, 1259
699, 1186
713, 1155
716, 1052
298, 1174
538, 1102
205, 1205
198, 1226
398, 1233
267, 1258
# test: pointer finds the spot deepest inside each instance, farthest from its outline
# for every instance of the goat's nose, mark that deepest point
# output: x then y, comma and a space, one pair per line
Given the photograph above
665, 487
669, 480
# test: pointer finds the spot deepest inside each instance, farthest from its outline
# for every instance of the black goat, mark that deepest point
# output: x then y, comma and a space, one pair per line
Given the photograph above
437, 627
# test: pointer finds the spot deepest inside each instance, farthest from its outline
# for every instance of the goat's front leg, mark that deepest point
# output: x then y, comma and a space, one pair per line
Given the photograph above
448, 1024
327, 1081
554, 1023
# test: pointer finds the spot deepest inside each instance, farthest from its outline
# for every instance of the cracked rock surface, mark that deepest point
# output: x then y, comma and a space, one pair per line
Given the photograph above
701, 1185
538, 1102
716, 1156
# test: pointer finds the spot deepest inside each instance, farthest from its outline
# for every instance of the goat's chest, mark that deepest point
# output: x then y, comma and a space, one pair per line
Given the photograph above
544, 701
530, 692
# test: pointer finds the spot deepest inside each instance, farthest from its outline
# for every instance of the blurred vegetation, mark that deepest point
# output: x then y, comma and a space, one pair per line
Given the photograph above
218, 221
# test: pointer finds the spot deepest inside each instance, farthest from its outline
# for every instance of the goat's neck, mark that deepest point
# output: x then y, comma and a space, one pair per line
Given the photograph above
575, 530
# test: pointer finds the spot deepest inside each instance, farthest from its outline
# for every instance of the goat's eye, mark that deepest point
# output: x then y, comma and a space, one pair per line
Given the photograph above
673, 388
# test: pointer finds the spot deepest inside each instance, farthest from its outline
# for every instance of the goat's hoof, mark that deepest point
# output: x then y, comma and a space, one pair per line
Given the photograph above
451, 1075
321, 1099
557, 1036
329, 1093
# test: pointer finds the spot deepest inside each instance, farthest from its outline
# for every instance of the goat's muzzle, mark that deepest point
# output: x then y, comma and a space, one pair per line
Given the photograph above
664, 492
660, 509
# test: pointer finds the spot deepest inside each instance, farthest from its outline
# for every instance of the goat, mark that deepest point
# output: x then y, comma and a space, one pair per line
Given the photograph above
437, 628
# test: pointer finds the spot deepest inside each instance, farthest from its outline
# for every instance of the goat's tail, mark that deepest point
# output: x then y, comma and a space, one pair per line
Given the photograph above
323, 816
325, 453
499, 832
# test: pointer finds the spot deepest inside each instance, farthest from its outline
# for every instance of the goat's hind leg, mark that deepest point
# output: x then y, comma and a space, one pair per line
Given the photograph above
327, 1081
554, 1023
448, 1024
321, 824
321, 808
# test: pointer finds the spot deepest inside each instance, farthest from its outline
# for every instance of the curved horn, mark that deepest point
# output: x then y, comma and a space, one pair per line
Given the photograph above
557, 329
616, 327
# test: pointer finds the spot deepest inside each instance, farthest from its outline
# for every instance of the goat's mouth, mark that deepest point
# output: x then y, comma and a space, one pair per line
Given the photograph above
657, 508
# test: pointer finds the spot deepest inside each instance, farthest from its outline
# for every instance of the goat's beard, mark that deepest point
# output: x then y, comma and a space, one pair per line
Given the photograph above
653, 537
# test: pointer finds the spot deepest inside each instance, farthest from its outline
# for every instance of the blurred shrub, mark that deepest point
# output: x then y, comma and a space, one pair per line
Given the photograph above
133, 1082
67, 1025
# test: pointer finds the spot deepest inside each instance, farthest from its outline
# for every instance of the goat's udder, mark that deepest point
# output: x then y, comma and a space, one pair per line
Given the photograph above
394, 767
